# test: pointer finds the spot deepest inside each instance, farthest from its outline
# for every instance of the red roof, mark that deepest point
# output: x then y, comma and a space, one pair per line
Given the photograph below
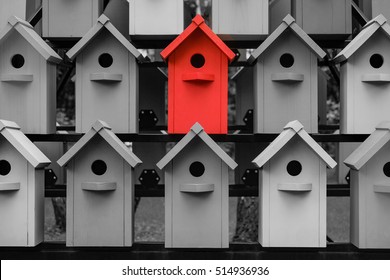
198, 23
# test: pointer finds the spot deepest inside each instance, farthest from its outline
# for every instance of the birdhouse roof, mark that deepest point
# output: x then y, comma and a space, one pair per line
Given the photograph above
197, 24
102, 129
103, 22
28, 33
378, 23
12, 133
290, 130
288, 23
370, 147
196, 130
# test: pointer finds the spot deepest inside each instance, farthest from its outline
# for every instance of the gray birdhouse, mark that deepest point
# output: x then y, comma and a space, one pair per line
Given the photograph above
196, 192
321, 19
285, 79
150, 19
373, 8
22, 9
100, 190
370, 189
64, 18
240, 20
21, 188
106, 78
365, 78
292, 190
27, 78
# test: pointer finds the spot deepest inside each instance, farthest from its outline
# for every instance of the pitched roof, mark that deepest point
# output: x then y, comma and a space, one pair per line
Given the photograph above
102, 129
288, 23
290, 130
197, 24
196, 131
28, 33
103, 22
12, 133
369, 147
378, 23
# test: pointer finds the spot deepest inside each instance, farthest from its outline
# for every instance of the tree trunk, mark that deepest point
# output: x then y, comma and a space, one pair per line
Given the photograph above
247, 220
59, 207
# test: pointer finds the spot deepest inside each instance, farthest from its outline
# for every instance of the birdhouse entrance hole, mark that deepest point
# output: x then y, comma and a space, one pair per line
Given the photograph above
17, 61
386, 169
198, 60
287, 60
197, 169
294, 168
376, 61
99, 167
105, 60
5, 167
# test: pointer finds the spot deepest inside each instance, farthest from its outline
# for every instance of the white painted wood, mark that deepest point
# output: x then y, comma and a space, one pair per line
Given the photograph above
196, 188
278, 9
240, 20
156, 18
373, 8
343, 150
10, 8
64, 18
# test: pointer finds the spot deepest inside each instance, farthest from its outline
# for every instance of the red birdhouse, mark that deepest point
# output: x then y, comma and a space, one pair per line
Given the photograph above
197, 79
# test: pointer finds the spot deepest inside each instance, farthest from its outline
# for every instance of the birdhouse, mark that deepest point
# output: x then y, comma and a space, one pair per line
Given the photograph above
197, 79
370, 188
21, 188
326, 20
373, 8
100, 176
27, 78
285, 79
278, 10
150, 19
106, 78
342, 151
365, 78
64, 18
292, 192
10, 8
240, 20
196, 192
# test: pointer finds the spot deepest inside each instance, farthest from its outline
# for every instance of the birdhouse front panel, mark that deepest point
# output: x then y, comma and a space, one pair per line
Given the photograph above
197, 86
197, 199
10, 8
365, 86
370, 202
106, 85
99, 197
324, 17
21, 199
64, 18
293, 198
27, 82
285, 84
235, 20
156, 19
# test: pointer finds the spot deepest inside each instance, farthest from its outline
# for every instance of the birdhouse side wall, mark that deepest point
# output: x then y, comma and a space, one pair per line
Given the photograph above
110, 99
362, 88
291, 91
36, 205
14, 216
99, 217
199, 219
378, 7
27, 86
238, 19
191, 101
297, 218
357, 209
278, 10
323, 17
63, 18
149, 17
